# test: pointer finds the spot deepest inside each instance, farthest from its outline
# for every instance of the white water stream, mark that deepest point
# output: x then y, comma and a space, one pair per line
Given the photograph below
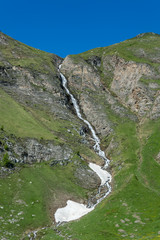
75, 210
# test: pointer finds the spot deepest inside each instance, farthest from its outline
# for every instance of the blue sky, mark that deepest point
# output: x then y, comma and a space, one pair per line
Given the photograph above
74, 26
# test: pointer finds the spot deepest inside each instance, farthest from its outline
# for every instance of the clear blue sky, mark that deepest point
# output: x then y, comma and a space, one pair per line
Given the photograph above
74, 26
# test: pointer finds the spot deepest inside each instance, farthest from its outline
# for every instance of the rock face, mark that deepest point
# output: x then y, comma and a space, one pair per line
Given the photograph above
80, 75
155, 112
135, 84
32, 151
84, 80
31, 77
126, 85
87, 178
128, 82
34, 88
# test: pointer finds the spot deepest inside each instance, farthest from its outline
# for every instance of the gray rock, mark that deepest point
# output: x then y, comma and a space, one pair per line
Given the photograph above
33, 151
86, 177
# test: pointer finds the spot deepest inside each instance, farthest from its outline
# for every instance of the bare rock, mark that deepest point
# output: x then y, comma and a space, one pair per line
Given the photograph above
158, 157
84, 81
31, 150
86, 177
126, 85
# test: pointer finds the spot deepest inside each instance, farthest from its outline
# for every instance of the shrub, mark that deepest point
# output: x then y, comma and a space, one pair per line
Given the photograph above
6, 161
6, 147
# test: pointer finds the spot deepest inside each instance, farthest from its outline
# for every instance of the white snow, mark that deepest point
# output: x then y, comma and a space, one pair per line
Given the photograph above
72, 211
103, 174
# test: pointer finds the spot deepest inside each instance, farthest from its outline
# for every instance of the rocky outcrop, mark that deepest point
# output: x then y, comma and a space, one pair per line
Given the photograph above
32, 151
84, 82
34, 88
80, 75
86, 177
158, 158
95, 114
125, 85
126, 81
155, 112
31, 77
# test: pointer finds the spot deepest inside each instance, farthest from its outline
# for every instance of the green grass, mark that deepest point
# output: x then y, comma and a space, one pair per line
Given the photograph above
57, 126
150, 169
128, 48
133, 202
132, 198
39, 184
21, 55
28, 194
49, 235
147, 81
16, 120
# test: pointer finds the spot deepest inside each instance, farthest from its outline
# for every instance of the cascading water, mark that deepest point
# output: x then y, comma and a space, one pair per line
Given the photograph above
96, 139
104, 175
75, 210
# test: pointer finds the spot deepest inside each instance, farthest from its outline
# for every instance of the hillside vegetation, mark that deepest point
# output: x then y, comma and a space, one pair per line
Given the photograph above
118, 91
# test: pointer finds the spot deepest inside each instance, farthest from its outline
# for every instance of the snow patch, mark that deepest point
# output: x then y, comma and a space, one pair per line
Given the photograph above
103, 174
71, 211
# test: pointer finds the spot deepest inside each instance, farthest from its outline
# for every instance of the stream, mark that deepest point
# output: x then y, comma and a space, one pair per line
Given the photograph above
74, 210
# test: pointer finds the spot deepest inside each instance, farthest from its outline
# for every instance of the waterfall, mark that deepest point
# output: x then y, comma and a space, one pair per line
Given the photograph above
95, 137
61, 213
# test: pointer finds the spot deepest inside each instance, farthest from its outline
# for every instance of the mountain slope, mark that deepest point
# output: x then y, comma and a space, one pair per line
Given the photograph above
117, 88
121, 88
40, 137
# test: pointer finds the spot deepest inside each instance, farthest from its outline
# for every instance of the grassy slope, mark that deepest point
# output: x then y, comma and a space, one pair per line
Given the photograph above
150, 148
132, 211
16, 120
26, 196
48, 183
129, 49
19, 54
28, 122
